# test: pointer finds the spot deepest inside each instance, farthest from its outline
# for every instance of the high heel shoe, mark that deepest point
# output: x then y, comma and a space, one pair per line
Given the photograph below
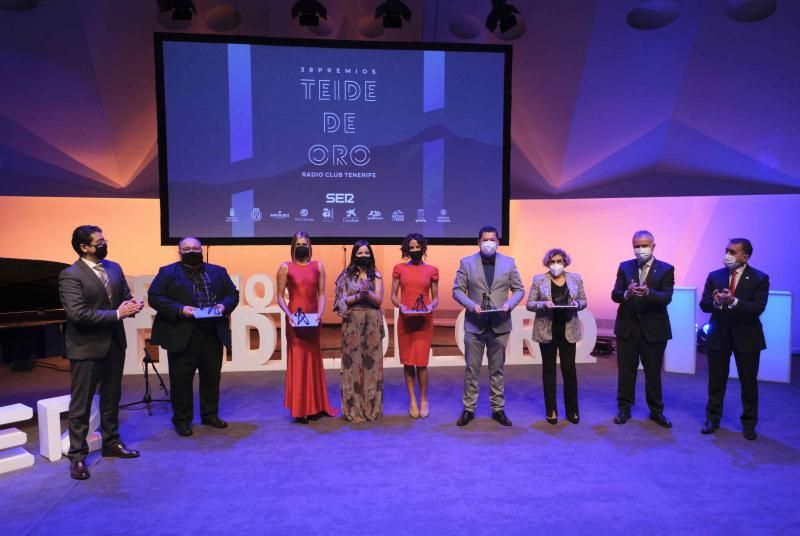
552, 420
424, 411
574, 419
413, 410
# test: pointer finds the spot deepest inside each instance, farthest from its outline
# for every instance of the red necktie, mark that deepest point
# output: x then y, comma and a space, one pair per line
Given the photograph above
732, 286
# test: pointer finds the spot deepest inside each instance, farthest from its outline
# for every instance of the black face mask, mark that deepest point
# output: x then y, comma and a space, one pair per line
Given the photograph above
416, 256
101, 251
192, 258
301, 252
363, 262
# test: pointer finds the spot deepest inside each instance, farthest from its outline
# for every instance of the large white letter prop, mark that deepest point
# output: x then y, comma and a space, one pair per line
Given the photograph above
250, 316
12, 455
52, 443
138, 328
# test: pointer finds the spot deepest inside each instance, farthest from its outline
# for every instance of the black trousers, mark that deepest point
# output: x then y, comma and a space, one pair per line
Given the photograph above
719, 363
560, 346
202, 354
85, 377
630, 351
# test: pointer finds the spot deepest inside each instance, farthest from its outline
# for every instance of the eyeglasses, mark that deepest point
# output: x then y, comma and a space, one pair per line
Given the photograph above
191, 250
99, 244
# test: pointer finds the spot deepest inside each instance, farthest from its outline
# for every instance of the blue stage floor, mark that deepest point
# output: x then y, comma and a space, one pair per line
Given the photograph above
265, 475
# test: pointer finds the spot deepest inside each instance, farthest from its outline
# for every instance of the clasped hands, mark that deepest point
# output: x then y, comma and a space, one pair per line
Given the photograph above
129, 308
722, 297
635, 289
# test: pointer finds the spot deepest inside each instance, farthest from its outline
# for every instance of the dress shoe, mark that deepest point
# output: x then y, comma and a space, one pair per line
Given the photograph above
574, 418
216, 422
750, 434
660, 420
183, 430
424, 410
78, 470
622, 417
709, 427
315, 417
413, 410
119, 451
300, 420
466, 416
501, 417
552, 420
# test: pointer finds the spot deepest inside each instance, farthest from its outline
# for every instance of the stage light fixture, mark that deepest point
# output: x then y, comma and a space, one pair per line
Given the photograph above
181, 9
502, 14
308, 12
393, 13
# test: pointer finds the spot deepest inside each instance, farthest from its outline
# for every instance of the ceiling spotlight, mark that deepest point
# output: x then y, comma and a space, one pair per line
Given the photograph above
309, 12
393, 13
503, 14
181, 9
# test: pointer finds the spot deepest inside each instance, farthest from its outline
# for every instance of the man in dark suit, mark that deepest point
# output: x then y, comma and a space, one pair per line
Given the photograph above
180, 293
96, 299
735, 296
486, 281
643, 290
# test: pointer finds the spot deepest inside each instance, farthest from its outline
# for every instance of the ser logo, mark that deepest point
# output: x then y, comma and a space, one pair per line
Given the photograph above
340, 198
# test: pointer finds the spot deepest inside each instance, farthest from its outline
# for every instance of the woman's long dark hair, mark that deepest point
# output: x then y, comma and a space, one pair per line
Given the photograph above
352, 269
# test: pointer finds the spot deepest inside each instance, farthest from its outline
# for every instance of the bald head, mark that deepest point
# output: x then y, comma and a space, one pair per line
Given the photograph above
189, 243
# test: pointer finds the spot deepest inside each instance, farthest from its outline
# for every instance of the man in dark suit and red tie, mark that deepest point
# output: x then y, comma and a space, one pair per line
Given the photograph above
735, 296
96, 299
183, 294
643, 290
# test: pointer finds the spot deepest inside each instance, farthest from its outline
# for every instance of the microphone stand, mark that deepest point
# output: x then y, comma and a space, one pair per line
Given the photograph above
148, 399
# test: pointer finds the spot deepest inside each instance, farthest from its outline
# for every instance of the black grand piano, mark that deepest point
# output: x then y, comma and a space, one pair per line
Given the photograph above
31, 315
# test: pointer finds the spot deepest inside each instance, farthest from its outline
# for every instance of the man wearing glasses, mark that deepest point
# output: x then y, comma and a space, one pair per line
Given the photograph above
96, 299
193, 300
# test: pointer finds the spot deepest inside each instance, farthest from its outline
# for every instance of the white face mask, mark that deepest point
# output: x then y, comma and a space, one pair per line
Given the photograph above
643, 253
730, 261
488, 247
556, 269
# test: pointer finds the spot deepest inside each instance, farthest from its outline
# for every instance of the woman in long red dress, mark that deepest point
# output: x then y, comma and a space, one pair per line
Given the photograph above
415, 289
306, 388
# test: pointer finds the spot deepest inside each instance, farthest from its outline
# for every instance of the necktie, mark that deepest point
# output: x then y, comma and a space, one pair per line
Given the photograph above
642, 274
101, 271
732, 286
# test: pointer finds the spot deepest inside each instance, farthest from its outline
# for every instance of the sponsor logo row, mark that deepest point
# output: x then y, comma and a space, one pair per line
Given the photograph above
348, 215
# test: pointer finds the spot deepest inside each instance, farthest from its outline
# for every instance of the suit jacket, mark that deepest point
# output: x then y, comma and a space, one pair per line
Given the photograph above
541, 293
649, 311
741, 324
91, 316
470, 286
172, 289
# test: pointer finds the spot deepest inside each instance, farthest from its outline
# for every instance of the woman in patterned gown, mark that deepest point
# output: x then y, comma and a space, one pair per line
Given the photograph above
304, 278
415, 287
359, 292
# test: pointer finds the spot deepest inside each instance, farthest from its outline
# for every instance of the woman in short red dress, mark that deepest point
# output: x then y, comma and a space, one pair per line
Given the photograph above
415, 287
306, 388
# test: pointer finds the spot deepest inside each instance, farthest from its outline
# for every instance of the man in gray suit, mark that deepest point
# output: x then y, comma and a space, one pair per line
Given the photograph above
96, 299
482, 286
